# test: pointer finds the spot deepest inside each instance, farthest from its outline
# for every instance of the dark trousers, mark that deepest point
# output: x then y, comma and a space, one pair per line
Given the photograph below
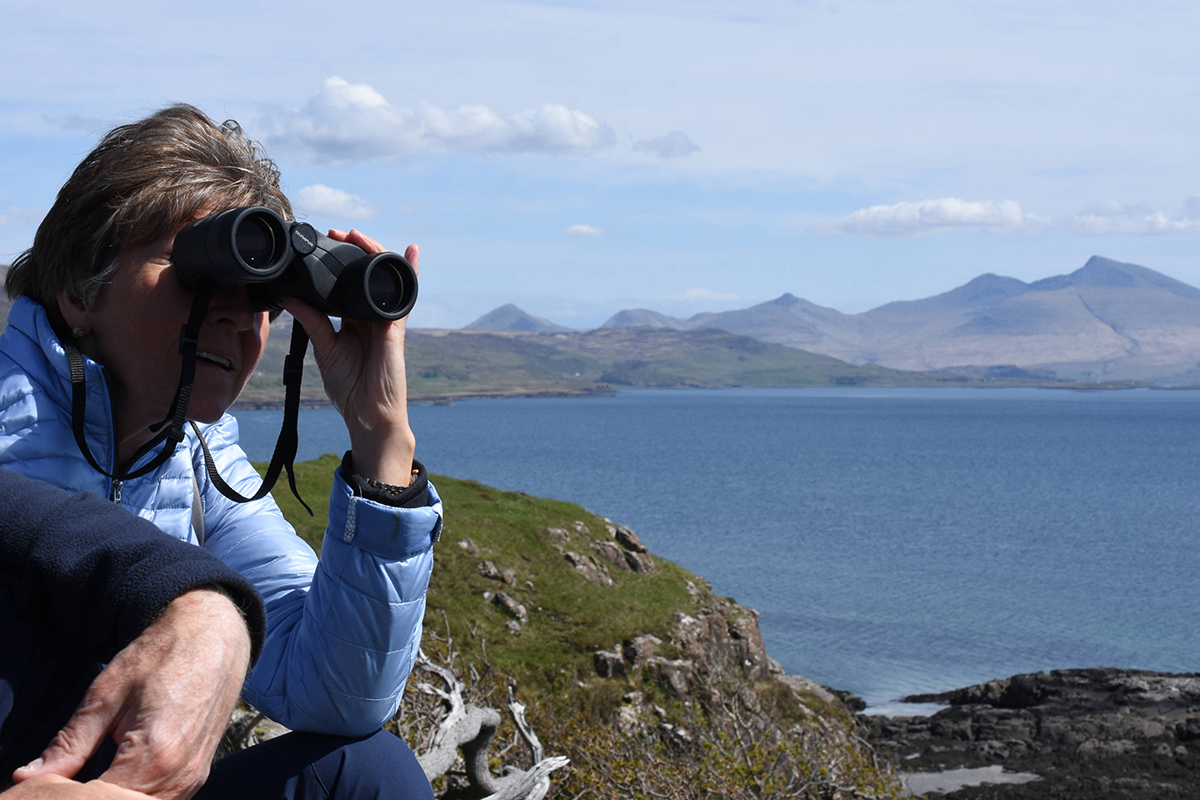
41, 684
311, 766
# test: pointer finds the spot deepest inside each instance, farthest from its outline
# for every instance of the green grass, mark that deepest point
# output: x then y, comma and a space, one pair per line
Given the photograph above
568, 616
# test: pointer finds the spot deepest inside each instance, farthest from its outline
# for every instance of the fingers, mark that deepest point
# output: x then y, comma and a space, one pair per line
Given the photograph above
358, 239
317, 325
79, 738
56, 787
314, 321
413, 254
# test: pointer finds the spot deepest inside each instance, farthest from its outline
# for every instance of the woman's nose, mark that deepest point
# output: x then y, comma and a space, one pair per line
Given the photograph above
232, 303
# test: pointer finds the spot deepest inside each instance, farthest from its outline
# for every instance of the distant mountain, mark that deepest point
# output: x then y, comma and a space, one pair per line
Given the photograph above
1107, 321
511, 318
643, 318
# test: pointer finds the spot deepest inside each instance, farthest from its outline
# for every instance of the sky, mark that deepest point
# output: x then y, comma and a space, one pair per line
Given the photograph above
580, 158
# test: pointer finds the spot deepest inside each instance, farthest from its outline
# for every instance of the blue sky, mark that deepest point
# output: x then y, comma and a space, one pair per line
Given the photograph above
578, 158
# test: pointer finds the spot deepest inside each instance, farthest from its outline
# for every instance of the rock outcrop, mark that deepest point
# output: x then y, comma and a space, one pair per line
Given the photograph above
720, 686
1090, 733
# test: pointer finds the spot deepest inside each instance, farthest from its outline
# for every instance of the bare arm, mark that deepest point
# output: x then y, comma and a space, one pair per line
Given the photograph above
165, 699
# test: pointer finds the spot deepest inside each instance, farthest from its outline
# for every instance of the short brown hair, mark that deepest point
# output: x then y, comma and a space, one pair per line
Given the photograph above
142, 181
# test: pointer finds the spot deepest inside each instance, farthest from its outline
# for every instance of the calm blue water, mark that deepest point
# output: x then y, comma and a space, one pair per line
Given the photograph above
895, 541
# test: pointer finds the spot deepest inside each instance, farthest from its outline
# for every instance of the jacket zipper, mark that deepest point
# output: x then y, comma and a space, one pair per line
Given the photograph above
116, 490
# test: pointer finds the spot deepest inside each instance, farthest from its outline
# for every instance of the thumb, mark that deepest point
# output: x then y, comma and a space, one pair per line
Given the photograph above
75, 743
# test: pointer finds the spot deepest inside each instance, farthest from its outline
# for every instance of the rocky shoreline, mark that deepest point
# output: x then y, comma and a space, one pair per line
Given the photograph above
1087, 733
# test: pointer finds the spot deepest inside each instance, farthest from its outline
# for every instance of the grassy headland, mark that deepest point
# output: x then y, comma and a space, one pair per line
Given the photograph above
692, 721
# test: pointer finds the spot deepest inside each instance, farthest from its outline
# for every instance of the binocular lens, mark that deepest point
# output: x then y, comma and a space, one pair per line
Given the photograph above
386, 286
256, 242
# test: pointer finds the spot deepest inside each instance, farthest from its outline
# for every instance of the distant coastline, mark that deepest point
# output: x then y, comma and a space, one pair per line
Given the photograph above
604, 390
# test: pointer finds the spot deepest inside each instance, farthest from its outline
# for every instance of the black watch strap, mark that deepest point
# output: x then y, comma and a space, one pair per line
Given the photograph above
415, 495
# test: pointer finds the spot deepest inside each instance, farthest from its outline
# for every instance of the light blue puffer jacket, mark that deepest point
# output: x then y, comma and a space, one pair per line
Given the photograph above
342, 631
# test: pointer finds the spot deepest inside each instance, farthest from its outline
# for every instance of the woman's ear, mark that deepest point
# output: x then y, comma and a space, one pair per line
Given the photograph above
74, 312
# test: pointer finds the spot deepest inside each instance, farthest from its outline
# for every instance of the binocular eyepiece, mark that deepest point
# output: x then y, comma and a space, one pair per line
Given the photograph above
279, 259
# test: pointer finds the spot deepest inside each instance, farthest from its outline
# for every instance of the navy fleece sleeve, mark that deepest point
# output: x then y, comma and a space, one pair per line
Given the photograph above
96, 573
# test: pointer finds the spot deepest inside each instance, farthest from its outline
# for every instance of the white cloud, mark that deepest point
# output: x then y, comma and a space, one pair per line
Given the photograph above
1007, 217
346, 123
326, 201
675, 144
583, 230
931, 216
21, 215
1115, 219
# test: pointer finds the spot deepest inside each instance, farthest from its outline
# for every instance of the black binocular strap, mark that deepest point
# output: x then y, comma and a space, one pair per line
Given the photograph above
285, 447
78, 406
172, 436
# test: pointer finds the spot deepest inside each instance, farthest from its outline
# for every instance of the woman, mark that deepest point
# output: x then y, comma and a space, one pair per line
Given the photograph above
342, 631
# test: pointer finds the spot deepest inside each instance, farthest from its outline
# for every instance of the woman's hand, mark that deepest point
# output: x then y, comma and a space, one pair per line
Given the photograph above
165, 699
56, 787
362, 366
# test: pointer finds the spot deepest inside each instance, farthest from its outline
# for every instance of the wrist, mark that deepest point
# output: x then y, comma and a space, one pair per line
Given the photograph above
387, 461
211, 608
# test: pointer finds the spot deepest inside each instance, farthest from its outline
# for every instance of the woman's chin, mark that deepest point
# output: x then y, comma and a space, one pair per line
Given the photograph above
206, 413
215, 391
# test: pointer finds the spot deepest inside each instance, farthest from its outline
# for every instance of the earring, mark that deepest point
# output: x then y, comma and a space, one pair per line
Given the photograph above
78, 332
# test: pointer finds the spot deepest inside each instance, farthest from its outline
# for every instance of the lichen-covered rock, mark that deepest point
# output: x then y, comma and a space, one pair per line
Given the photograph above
723, 646
586, 566
640, 563
558, 535
608, 664
510, 605
747, 639
609, 552
630, 540
639, 649
677, 676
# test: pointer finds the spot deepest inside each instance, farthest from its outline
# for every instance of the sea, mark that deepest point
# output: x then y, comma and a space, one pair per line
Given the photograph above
894, 541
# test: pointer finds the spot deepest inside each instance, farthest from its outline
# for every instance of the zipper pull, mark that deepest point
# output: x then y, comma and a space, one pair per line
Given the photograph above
116, 491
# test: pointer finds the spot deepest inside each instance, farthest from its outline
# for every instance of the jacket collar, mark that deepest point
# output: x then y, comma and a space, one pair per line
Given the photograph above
29, 319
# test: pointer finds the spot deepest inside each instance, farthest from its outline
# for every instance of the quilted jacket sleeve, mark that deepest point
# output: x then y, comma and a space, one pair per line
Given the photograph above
342, 631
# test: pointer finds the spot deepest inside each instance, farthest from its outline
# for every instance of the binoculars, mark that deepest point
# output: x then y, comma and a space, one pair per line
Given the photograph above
278, 259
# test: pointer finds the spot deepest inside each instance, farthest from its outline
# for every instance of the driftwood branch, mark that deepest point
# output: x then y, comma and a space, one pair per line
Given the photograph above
533, 783
518, 712
471, 729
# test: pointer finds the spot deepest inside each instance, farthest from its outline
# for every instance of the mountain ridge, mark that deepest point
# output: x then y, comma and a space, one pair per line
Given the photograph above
1106, 321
